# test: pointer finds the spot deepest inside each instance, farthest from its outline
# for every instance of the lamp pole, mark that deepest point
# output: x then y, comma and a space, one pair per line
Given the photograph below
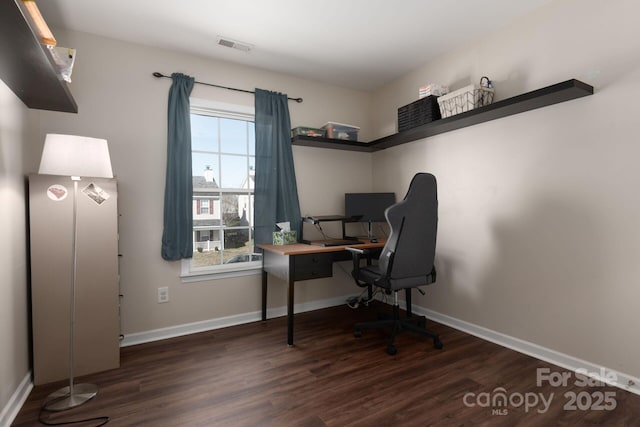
72, 396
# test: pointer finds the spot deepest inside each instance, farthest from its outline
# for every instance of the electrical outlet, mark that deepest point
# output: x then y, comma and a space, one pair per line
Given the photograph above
163, 295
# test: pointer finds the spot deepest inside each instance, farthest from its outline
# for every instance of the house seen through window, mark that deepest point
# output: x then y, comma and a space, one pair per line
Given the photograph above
223, 165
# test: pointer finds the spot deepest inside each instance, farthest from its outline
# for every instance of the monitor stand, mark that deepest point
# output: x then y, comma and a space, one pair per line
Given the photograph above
327, 218
370, 231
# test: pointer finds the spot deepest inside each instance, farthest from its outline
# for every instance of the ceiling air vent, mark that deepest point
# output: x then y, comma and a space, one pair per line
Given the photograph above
234, 44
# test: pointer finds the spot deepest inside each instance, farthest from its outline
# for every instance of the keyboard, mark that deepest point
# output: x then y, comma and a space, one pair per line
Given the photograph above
339, 242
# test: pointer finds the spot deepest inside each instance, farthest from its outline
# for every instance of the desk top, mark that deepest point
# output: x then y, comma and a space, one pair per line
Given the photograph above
302, 248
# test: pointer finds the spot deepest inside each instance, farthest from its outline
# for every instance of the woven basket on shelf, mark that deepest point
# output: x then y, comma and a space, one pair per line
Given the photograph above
466, 99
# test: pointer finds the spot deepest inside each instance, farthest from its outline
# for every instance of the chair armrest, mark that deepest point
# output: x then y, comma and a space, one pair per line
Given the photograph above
356, 255
355, 251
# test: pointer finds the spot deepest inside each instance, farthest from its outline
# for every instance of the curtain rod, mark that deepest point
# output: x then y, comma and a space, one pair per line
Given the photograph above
158, 75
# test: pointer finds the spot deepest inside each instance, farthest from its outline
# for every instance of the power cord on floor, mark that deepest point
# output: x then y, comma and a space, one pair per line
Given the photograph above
101, 420
355, 302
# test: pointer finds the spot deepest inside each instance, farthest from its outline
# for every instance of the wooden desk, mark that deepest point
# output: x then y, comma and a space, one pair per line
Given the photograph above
300, 262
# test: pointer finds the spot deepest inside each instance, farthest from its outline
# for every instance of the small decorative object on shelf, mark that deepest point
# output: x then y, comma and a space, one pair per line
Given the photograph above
63, 58
432, 89
467, 98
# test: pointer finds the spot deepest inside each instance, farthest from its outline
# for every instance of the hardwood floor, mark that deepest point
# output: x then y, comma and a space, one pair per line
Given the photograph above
247, 376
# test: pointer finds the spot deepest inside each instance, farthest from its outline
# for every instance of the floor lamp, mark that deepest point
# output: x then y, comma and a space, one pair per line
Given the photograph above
75, 157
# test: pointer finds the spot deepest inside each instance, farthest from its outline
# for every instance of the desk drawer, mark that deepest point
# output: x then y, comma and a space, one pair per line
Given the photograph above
312, 266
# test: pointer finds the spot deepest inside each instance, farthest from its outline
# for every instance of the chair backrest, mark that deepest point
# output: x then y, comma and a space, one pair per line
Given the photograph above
408, 256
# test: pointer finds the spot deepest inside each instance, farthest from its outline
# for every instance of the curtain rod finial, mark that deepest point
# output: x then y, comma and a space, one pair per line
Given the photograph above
157, 74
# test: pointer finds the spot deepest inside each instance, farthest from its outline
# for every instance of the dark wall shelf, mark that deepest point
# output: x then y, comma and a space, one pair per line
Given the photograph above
338, 144
27, 67
554, 94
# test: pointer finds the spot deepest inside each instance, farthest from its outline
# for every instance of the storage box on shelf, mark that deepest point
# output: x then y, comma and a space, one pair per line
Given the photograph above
418, 113
307, 131
466, 99
335, 130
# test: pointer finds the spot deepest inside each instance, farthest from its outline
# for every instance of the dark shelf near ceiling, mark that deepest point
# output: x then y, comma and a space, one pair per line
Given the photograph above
27, 67
554, 94
338, 144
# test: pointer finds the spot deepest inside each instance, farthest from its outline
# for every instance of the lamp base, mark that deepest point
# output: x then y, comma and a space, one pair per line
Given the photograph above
62, 400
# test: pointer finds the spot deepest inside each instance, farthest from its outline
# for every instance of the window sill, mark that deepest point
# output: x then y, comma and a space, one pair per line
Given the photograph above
216, 275
190, 276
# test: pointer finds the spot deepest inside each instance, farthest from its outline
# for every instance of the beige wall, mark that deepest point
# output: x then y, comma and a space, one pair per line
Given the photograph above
121, 101
538, 220
14, 318
539, 235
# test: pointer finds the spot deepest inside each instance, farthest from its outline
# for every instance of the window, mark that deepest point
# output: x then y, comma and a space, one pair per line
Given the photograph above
203, 206
223, 164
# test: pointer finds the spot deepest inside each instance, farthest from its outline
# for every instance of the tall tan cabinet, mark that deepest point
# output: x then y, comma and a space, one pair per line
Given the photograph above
97, 320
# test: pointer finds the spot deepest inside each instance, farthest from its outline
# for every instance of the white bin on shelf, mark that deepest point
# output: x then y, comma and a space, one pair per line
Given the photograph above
466, 99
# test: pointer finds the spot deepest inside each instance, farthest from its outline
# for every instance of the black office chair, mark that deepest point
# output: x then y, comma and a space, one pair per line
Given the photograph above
407, 259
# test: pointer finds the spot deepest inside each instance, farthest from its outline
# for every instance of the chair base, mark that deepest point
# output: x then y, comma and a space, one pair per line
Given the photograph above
414, 324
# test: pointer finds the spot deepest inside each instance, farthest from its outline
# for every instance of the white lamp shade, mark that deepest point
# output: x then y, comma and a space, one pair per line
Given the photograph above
71, 155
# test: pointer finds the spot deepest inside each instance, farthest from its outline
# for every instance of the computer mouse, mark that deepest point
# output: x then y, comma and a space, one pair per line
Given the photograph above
374, 240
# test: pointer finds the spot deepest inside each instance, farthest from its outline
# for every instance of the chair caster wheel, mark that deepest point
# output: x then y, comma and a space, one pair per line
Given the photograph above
437, 344
391, 350
357, 333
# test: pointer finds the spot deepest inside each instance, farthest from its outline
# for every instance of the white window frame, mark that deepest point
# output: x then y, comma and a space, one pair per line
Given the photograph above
208, 203
196, 274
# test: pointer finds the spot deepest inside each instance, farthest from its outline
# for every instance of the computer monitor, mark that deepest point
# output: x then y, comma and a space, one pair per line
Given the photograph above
368, 207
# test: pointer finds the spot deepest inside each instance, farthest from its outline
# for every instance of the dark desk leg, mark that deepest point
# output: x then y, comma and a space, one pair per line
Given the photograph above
264, 295
290, 313
408, 299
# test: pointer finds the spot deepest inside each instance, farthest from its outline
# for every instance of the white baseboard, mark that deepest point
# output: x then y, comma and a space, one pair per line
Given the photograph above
223, 322
599, 373
13, 406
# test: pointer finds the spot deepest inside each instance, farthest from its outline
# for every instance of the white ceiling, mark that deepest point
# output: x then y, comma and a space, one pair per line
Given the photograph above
359, 44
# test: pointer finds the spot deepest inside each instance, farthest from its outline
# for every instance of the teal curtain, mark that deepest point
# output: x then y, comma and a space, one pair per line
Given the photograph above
177, 237
276, 192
